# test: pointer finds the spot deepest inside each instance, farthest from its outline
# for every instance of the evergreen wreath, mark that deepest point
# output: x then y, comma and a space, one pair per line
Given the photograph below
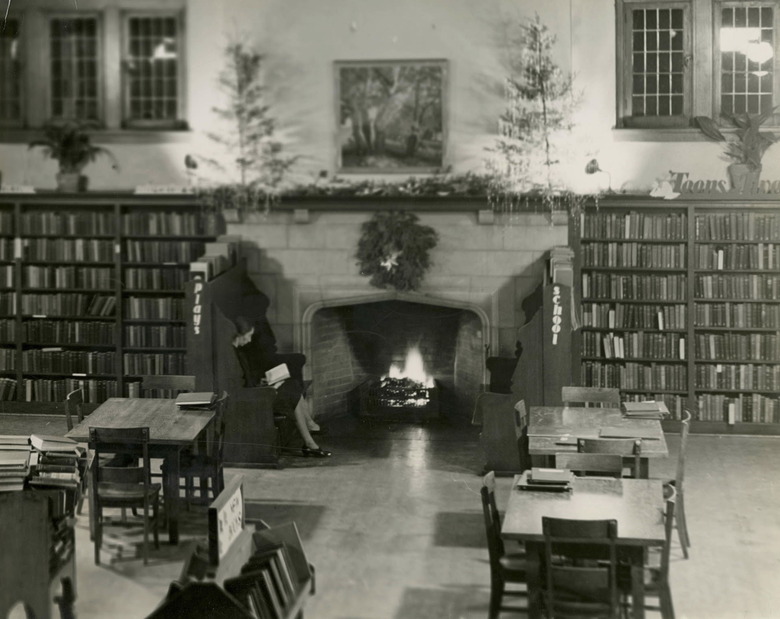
393, 250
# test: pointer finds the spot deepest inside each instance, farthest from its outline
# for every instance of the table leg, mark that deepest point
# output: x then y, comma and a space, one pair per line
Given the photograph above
638, 584
534, 579
644, 468
172, 495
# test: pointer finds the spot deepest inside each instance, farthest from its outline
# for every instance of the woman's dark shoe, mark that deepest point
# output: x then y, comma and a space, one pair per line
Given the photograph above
318, 432
315, 453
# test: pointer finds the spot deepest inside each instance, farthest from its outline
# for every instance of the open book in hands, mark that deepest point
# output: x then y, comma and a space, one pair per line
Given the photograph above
277, 375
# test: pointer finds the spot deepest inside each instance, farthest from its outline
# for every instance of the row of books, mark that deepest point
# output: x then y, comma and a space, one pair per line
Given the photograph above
7, 359
58, 360
634, 316
75, 223
726, 346
738, 376
750, 408
633, 255
68, 250
7, 389
98, 278
155, 336
7, 330
170, 224
153, 308
155, 278
180, 252
154, 363
42, 331
6, 276
633, 345
268, 583
737, 226
7, 303
55, 389
635, 225
741, 286
643, 287
737, 315
6, 247
754, 257
651, 377
67, 304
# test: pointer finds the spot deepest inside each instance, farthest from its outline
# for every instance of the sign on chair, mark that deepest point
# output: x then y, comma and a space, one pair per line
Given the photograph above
226, 520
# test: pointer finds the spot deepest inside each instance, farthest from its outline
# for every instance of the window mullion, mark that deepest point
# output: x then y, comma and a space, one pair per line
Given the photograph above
112, 67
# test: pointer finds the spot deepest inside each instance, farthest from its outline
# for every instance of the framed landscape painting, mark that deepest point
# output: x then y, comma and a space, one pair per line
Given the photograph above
391, 115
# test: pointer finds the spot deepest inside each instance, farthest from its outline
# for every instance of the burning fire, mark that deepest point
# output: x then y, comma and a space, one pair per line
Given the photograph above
414, 369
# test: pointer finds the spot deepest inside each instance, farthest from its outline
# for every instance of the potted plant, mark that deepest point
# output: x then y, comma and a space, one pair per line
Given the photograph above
68, 142
745, 148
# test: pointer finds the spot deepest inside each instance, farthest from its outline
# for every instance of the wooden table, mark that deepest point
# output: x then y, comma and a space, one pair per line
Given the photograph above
636, 504
547, 424
170, 430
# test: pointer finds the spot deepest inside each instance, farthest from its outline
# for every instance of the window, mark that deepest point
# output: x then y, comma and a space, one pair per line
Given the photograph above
121, 69
661, 83
10, 73
656, 74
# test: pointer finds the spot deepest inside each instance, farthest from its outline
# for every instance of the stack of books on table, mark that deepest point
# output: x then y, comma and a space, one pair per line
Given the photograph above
649, 409
14, 462
547, 479
56, 462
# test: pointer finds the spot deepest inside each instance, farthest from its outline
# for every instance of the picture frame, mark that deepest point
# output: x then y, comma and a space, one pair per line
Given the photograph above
391, 115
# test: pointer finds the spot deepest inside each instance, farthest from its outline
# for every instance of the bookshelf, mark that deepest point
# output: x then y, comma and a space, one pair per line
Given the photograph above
681, 302
92, 292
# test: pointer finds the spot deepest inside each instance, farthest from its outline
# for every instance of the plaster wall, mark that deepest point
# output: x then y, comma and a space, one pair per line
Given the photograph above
302, 38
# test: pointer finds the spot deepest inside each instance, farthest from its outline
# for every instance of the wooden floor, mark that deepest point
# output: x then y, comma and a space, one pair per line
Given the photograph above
392, 523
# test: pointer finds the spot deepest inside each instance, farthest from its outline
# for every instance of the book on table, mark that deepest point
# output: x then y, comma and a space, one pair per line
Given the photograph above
197, 398
49, 442
540, 475
649, 409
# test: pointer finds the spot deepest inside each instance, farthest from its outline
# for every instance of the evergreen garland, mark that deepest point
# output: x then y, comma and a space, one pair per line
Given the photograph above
393, 250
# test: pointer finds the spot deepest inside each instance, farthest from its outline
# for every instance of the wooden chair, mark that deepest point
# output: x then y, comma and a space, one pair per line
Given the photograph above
166, 385
625, 447
580, 568
207, 466
591, 463
679, 478
590, 396
504, 568
123, 487
74, 407
657, 576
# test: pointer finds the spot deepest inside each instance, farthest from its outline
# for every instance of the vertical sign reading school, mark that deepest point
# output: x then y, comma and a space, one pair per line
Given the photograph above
557, 341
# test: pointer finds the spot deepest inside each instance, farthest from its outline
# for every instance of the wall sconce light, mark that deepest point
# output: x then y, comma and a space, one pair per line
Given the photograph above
593, 166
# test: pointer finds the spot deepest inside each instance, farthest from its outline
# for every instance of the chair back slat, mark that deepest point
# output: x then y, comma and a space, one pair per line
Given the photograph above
580, 567
625, 447
685, 427
492, 519
671, 501
602, 396
590, 463
74, 407
121, 475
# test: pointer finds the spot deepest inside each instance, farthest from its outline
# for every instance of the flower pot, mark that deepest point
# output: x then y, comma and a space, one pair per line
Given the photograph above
71, 182
744, 178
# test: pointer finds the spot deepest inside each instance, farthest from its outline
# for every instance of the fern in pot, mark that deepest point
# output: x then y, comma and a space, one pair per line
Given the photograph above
745, 147
68, 143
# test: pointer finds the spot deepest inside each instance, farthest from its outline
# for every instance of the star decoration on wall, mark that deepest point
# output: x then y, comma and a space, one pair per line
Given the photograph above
391, 261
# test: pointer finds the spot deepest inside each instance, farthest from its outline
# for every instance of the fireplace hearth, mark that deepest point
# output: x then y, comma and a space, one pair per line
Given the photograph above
398, 399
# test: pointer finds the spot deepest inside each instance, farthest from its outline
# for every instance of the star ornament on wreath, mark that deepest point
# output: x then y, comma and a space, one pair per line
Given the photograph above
393, 250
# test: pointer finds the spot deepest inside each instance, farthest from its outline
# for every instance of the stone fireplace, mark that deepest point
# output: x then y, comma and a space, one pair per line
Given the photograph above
468, 308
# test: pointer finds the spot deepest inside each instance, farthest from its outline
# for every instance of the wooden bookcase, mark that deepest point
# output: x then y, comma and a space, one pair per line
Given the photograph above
680, 301
92, 292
